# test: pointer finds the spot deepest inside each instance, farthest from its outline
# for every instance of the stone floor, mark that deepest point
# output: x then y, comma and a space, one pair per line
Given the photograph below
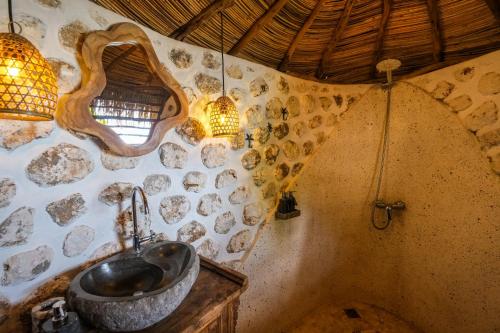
333, 319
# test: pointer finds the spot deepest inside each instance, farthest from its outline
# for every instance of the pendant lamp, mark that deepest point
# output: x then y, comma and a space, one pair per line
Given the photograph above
224, 118
28, 86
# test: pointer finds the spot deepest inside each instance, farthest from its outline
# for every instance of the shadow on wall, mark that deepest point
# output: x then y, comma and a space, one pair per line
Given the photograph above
436, 266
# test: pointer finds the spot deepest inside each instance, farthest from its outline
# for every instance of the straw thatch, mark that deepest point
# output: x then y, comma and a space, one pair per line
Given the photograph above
329, 40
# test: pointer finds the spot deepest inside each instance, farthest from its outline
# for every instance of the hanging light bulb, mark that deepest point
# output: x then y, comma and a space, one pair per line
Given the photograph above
28, 86
224, 118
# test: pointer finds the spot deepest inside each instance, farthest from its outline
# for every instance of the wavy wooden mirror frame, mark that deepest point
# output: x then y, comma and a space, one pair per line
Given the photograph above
74, 113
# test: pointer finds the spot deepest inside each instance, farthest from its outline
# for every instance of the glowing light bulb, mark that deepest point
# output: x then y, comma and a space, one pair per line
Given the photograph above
222, 118
13, 71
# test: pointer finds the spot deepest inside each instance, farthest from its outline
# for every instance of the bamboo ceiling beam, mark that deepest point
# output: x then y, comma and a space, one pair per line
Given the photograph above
120, 58
257, 26
216, 7
291, 49
437, 40
494, 6
380, 36
337, 34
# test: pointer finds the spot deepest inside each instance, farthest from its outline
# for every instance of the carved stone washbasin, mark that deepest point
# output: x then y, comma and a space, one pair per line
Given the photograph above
129, 292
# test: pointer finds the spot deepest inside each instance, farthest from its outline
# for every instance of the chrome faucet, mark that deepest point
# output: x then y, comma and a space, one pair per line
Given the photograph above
136, 238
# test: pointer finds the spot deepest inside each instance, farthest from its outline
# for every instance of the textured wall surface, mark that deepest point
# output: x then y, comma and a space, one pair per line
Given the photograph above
61, 195
437, 266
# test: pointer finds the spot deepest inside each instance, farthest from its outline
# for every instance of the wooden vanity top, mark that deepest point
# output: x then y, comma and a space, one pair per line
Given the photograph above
216, 288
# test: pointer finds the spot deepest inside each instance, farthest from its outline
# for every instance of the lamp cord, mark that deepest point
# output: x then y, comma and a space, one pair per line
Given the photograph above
11, 20
221, 51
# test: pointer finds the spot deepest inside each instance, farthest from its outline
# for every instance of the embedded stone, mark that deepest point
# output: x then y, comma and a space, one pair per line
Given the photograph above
281, 171
240, 195
283, 86
489, 138
191, 131
325, 103
489, 83
351, 99
331, 120
241, 241
258, 87
191, 232
207, 84
261, 134
116, 193
308, 103
156, 183
234, 72
291, 150
226, 178
269, 190
238, 141
236, 94
273, 108
296, 168
252, 214
308, 148
95, 14
281, 131
125, 223
105, 250
271, 153
50, 3
209, 249
15, 133
485, 114
26, 266
78, 240
224, 222
255, 117
213, 155
62, 164
70, 34
33, 29
209, 204
210, 61
443, 89
293, 106
174, 208
172, 155
259, 177
495, 163
194, 181
338, 100
17, 227
464, 74
320, 137
181, 58
66, 210
7, 191
114, 162
315, 122
190, 94
460, 103
300, 129
250, 159
250, 69
68, 76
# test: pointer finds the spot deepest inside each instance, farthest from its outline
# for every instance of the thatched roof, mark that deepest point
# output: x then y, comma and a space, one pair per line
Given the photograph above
329, 40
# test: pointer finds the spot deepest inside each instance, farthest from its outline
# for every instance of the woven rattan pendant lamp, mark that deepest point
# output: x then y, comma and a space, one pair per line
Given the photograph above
28, 86
224, 118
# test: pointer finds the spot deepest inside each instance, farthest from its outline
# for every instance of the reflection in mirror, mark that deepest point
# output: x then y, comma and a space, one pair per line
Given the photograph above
134, 99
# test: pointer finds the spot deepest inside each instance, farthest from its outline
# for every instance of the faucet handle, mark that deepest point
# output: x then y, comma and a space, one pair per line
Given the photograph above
399, 205
152, 235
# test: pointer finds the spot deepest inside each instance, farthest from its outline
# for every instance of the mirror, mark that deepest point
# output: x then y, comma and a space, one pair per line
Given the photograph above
127, 99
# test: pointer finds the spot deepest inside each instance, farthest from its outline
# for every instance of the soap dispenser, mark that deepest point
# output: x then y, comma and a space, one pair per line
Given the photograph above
62, 321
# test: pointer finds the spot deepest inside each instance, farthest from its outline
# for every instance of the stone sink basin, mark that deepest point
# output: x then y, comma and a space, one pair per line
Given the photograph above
129, 291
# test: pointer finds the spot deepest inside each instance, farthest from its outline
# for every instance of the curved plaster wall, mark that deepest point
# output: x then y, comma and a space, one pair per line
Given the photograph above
436, 266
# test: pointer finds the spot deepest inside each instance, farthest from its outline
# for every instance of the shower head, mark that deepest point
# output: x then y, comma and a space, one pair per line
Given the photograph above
388, 65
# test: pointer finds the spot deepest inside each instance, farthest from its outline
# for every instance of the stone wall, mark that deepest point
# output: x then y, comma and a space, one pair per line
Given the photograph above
65, 200
437, 265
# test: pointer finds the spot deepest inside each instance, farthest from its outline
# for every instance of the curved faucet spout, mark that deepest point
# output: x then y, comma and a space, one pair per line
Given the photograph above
136, 238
